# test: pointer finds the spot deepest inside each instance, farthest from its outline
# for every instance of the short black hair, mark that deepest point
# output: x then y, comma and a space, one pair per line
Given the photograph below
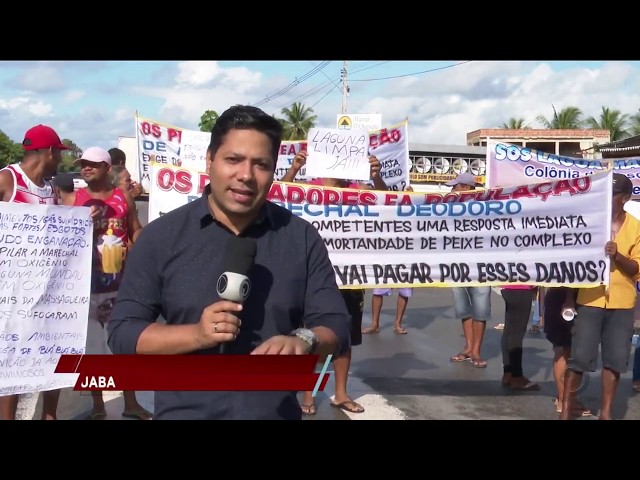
64, 181
118, 157
246, 117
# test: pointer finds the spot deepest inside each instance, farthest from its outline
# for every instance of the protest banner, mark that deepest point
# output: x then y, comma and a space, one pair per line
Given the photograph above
288, 150
334, 153
157, 142
45, 280
549, 234
391, 147
174, 180
173, 186
513, 165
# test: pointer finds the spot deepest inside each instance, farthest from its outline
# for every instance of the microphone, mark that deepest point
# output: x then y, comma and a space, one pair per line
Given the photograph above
234, 284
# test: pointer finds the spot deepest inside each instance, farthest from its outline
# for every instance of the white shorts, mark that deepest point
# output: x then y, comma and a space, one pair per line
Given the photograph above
100, 307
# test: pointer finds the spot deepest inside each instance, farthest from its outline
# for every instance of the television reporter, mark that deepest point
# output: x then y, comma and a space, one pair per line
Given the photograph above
178, 258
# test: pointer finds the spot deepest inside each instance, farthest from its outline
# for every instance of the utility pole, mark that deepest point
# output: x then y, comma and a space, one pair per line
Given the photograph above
345, 88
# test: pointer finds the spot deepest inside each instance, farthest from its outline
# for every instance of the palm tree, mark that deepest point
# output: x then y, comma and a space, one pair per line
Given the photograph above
611, 120
516, 124
634, 124
297, 122
69, 156
567, 119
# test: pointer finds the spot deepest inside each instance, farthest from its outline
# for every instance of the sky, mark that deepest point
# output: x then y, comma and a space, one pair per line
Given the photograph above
93, 103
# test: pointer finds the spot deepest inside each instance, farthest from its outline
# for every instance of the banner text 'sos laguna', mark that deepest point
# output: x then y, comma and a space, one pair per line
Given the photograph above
514, 165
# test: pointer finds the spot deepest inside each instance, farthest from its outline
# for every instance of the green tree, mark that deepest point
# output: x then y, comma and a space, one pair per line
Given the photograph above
207, 120
516, 124
297, 121
611, 120
569, 118
69, 156
10, 152
634, 124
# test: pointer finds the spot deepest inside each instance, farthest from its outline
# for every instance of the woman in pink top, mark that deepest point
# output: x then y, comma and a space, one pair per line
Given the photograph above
518, 300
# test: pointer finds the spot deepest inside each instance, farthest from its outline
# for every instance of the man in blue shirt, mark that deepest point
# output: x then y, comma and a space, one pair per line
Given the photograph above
173, 269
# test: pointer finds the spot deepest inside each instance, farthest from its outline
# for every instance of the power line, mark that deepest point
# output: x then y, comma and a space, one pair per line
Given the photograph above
293, 84
410, 74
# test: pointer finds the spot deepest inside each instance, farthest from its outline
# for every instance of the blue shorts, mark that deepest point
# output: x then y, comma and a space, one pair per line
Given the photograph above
472, 302
403, 292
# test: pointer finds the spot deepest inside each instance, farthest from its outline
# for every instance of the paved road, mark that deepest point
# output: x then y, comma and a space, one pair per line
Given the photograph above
410, 376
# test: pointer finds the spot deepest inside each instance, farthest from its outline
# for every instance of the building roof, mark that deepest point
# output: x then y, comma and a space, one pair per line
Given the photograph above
627, 144
447, 149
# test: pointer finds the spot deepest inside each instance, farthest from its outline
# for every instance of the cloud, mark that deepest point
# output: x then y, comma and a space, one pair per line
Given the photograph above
74, 95
93, 103
41, 79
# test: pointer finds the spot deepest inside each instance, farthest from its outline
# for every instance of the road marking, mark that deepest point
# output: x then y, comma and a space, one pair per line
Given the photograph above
376, 407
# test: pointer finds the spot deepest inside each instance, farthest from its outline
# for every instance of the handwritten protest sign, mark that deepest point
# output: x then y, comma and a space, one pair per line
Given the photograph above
551, 233
334, 153
513, 165
193, 149
45, 280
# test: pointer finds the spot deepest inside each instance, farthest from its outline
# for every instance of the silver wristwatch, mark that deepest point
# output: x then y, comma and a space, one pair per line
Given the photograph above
310, 338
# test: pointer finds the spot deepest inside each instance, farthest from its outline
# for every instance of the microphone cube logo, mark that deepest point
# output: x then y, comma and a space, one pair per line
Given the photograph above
223, 282
245, 288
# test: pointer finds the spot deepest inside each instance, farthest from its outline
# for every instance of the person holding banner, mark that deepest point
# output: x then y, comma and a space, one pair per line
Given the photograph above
26, 182
605, 314
472, 304
353, 298
115, 229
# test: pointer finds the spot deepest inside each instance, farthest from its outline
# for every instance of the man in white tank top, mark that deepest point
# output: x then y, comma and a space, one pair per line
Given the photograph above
26, 182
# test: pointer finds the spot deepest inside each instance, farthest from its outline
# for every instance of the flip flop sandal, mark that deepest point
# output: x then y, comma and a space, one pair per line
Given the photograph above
578, 411
460, 357
478, 363
97, 416
370, 330
343, 406
308, 410
529, 386
399, 331
140, 414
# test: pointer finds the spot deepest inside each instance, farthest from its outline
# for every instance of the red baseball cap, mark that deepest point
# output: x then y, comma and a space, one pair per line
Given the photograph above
42, 136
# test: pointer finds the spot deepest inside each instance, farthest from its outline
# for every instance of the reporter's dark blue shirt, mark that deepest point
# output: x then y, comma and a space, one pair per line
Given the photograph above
172, 271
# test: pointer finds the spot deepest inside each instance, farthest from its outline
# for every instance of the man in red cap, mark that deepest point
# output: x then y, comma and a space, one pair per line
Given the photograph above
26, 182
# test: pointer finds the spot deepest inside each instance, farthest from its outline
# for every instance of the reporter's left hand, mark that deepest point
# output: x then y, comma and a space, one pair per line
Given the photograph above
282, 345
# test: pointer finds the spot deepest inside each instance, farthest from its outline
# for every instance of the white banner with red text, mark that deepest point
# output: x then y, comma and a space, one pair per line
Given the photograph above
550, 234
173, 161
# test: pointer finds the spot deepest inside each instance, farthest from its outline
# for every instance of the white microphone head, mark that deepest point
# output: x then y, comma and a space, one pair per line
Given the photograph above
233, 287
